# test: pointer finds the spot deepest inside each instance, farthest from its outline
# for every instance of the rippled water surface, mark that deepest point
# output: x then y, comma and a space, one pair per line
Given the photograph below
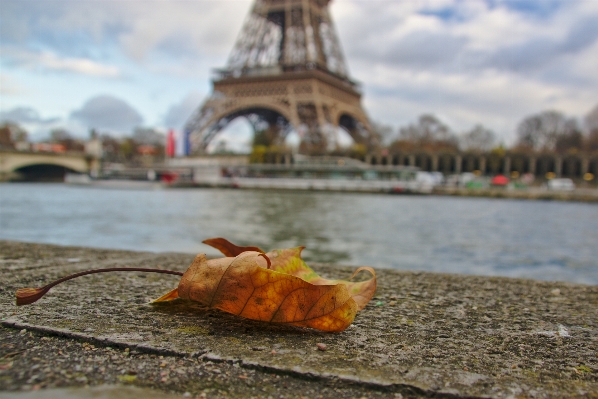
533, 239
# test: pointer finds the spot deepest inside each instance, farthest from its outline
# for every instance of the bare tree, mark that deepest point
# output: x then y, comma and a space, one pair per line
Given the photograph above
571, 139
427, 129
6, 140
384, 133
145, 135
540, 132
59, 135
110, 148
11, 133
63, 137
478, 138
591, 144
20, 134
428, 133
591, 120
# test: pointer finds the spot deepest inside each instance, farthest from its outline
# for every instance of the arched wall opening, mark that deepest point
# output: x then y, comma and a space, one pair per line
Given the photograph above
571, 167
447, 164
41, 173
520, 165
545, 165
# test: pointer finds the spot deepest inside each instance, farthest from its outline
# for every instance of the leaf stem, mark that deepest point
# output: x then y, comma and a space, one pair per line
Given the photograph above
26, 296
267, 260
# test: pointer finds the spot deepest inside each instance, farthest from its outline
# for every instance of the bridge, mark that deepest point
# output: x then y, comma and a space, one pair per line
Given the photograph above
513, 163
21, 165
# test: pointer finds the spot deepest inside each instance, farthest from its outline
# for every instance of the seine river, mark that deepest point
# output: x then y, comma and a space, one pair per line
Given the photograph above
531, 239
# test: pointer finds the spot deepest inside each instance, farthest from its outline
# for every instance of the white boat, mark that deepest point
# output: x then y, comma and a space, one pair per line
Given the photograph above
316, 173
370, 186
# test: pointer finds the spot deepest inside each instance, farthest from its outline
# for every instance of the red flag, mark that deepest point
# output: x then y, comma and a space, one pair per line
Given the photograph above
170, 143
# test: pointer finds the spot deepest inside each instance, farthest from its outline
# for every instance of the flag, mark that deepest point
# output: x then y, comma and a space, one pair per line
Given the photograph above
170, 143
187, 142
180, 144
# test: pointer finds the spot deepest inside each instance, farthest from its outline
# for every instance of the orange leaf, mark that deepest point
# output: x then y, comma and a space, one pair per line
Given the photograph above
289, 261
251, 285
244, 287
170, 296
228, 248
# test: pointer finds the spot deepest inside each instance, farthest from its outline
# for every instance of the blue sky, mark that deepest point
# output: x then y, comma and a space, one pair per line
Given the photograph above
67, 63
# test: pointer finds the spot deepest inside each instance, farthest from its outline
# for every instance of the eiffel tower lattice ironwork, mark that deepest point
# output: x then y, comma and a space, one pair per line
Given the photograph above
286, 72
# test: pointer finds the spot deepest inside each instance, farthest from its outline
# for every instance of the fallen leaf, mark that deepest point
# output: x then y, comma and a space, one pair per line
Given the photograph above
244, 286
277, 287
228, 248
289, 261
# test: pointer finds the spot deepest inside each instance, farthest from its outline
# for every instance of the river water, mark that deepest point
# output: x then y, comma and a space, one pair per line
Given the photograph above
531, 239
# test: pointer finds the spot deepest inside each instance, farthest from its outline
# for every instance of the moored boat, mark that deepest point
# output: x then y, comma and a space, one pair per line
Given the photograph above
315, 173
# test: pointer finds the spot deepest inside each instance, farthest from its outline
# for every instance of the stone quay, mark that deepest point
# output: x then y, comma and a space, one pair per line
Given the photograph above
423, 335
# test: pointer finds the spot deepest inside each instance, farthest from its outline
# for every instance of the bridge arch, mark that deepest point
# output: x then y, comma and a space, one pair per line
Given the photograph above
13, 163
42, 172
75, 165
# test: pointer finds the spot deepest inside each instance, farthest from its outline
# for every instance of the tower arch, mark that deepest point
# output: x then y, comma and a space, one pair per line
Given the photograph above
358, 128
217, 116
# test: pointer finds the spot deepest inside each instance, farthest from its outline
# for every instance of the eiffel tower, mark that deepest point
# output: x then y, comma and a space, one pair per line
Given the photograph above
286, 72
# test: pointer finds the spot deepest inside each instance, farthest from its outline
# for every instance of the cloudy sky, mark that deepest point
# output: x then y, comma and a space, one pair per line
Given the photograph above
116, 64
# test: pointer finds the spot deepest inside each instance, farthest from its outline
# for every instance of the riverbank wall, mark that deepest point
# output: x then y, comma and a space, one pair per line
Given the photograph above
408, 188
423, 335
532, 193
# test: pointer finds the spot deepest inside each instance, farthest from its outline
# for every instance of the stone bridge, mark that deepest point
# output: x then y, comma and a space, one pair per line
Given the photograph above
19, 165
575, 166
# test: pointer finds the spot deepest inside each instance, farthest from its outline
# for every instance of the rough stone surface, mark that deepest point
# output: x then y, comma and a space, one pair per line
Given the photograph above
424, 334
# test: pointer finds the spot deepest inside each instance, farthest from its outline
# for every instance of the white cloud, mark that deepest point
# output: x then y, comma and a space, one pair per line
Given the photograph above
46, 60
191, 28
107, 112
480, 63
77, 65
178, 113
9, 86
490, 29
586, 66
497, 99
25, 115
185, 28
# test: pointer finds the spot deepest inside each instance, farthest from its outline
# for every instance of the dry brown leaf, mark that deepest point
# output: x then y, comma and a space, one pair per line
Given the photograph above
289, 261
228, 248
277, 287
245, 287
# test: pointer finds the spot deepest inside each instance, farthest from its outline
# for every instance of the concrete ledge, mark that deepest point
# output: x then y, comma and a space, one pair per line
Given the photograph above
533, 193
424, 335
